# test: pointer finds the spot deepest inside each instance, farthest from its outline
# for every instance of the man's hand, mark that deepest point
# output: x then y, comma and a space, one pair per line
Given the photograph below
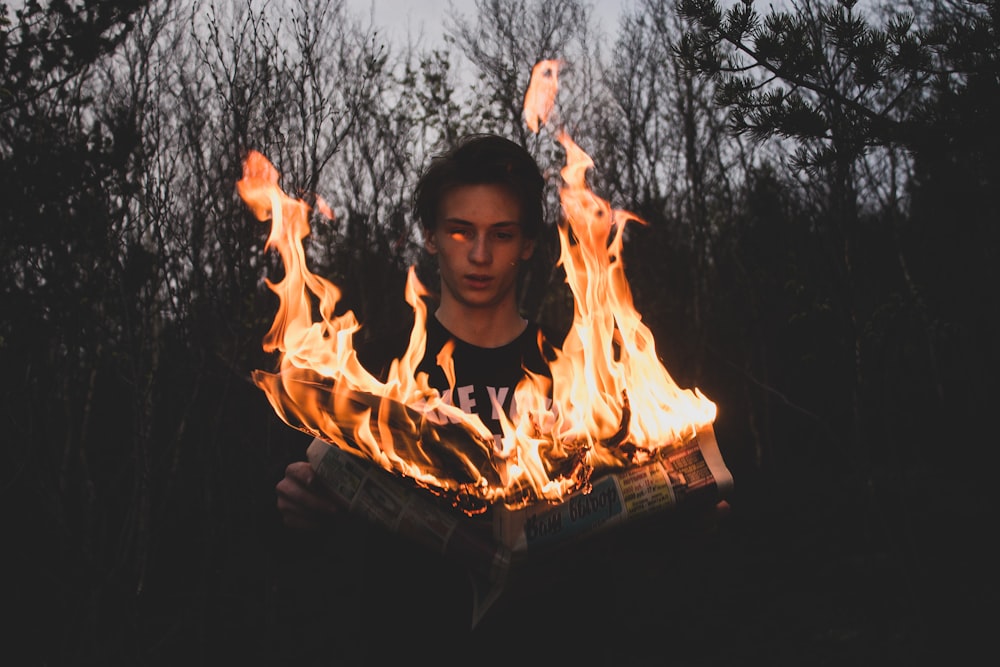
303, 501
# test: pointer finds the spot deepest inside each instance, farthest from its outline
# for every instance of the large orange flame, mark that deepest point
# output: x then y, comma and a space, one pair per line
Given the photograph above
610, 402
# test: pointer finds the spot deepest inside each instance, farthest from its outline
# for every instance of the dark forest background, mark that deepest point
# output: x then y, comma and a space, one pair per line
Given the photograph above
820, 186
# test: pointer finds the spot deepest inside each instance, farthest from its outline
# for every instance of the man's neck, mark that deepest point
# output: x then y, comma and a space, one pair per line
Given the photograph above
484, 327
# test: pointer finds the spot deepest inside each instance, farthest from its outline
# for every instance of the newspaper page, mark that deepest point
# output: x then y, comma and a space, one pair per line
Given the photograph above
691, 475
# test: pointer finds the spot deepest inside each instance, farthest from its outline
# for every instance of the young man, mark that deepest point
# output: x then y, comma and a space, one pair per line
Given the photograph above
481, 209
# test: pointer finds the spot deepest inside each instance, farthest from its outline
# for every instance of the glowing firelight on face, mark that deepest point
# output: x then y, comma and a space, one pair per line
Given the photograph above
613, 404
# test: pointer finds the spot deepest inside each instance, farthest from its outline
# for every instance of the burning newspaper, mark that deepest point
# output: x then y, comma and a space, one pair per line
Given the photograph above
611, 439
688, 477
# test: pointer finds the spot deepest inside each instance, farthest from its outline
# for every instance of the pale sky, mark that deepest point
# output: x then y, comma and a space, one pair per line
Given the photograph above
398, 17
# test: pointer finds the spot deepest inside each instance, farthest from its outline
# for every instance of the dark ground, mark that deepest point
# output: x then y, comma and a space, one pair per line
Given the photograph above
884, 571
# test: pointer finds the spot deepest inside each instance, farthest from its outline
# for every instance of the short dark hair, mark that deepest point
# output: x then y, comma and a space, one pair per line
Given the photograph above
483, 159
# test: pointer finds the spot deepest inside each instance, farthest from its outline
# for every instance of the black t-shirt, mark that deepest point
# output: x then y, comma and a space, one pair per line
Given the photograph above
484, 376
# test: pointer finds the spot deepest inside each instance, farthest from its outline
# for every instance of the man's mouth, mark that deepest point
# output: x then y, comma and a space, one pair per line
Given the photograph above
478, 281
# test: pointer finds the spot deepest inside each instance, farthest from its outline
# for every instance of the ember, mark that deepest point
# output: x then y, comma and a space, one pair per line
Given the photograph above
610, 403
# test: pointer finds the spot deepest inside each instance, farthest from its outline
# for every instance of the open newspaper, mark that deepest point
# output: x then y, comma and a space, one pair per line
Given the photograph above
688, 476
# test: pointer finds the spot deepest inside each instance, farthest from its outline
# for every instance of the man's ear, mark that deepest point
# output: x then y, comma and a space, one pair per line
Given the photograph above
528, 250
429, 244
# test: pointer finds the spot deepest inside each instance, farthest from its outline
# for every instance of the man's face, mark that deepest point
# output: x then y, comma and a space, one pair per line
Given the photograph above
479, 244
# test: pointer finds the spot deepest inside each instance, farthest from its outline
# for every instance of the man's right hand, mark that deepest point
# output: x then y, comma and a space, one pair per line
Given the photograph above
303, 501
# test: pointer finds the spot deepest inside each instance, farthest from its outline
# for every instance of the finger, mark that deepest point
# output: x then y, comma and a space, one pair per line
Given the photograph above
306, 512
293, 495
722, 509
302, 472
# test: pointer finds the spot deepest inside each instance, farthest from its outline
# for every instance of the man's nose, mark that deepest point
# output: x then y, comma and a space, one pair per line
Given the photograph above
480, 252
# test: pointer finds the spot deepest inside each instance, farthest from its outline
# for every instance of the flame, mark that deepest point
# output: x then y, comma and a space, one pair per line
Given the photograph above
608, 379
609, 403
540, 98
